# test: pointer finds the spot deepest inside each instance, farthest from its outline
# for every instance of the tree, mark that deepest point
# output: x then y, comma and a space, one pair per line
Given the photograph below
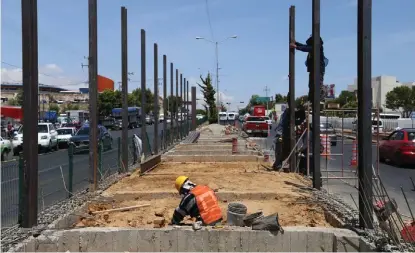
135, 99
345, 97
280, 98
54, 107
107, 100
200, 111
223, 107
70, 106
173, 102
402, 99
300, 100
209, 97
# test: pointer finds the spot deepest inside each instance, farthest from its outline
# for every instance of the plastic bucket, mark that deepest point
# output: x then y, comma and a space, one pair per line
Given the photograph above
236, 214
248, 220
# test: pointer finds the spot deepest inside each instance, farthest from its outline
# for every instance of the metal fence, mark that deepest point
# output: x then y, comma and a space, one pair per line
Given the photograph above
64, 173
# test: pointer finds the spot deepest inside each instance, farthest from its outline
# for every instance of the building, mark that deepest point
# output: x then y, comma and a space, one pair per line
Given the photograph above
381, 85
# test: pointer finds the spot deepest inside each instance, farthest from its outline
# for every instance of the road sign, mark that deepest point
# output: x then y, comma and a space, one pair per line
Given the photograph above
262, 99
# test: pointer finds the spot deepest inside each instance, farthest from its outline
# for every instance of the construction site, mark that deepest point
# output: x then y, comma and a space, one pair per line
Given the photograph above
135, 213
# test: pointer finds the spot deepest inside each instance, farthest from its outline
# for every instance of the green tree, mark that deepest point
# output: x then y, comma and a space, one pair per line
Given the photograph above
54, 107
345, 97
135, 100
107, 100
300, 100
280, 98
209, 97
173, 103
223, 107
200, 111
402, 99
69, 106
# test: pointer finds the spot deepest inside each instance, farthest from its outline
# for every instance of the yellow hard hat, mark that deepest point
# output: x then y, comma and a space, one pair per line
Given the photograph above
180, 181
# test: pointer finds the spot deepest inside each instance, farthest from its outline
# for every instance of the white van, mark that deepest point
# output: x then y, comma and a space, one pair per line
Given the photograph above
375, 125
231, 116
223, 116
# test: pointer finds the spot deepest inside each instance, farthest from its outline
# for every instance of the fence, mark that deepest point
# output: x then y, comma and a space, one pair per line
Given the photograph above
66, 172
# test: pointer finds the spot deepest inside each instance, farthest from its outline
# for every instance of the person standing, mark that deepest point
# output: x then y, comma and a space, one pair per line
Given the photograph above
138, 148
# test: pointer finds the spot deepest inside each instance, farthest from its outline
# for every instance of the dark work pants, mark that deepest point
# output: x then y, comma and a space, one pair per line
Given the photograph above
311, 89
278, 155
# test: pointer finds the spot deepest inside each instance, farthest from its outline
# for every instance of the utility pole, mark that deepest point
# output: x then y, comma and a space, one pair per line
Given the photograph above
364, 93
93, 93
193, 108
28, 203
143, 91
181, 105
156, 100
124, 73
266, 95
176, 106
291, 107
217, 77
187, 107
165, 101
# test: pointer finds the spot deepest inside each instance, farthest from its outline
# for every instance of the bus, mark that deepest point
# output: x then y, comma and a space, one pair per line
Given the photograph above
386, 116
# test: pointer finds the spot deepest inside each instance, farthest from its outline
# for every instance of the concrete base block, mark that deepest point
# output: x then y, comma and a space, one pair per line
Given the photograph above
172, 239
216, 158
212, 152
203, 147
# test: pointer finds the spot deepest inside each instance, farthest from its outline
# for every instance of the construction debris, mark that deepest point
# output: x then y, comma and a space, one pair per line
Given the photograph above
121, 209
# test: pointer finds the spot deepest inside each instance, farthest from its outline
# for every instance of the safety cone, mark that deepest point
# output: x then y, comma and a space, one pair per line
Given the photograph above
325, 142
353, 162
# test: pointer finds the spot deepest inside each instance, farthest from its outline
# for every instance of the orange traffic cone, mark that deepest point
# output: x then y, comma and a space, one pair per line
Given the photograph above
353, 162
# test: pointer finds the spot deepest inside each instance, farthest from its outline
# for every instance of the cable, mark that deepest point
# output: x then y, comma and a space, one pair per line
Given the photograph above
208, 16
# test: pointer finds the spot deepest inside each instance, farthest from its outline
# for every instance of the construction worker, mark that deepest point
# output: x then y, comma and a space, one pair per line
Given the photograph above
308, 48
199, 201
138, 148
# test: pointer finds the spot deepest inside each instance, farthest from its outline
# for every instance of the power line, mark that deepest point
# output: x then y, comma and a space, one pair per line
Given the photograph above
210, 23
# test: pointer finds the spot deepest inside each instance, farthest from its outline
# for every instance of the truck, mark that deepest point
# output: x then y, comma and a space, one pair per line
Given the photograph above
133, 116
259, 110
256, 125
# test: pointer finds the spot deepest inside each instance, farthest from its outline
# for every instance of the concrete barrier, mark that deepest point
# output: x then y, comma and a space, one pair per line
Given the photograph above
171, 239
216, 158
203, 147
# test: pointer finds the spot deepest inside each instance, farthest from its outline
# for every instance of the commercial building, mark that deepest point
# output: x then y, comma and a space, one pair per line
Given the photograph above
381, 85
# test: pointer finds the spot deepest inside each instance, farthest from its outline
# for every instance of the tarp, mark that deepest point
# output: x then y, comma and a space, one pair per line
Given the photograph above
14, 112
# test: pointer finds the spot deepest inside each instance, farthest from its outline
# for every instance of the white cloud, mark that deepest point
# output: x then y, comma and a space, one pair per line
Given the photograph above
49, 74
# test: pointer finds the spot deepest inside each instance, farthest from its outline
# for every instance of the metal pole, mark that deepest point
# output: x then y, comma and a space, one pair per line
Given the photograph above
124, 72
30, 117
156, 101
172, 105
364, 100
316, 98
143, 90
165, 99
187, 106
93, 93
292, 86
217, 80
308, 139
176, 106
181, 105
193, 107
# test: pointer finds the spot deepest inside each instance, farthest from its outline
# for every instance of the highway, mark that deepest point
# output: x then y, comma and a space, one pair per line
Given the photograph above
392, 177
53, 181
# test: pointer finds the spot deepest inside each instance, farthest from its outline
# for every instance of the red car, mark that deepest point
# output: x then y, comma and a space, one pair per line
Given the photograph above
399, 147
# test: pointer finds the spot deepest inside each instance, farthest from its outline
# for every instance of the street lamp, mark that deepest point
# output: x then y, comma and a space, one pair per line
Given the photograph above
217, 60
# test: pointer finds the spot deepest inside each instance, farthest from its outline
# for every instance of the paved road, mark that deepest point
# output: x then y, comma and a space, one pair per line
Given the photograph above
392, 177
53, 180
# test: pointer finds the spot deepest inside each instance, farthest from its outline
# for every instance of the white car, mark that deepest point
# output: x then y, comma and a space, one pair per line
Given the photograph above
47, 138
199, 116
64, 134
6, 147
161, 118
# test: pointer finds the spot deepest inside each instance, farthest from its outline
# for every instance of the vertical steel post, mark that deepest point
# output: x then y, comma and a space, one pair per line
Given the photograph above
124, 73
181, 106
292, 86
364, 100
187, 107
156, 100
165, 100
70, 172
194, 108
316, 100
176, 106
143, 90
30, 117
171, 104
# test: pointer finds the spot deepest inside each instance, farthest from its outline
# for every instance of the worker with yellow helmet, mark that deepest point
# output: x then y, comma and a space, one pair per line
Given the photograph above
199, 201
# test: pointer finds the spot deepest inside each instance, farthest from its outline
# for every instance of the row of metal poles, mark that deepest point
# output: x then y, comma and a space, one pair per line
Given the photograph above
30, 101
364, 93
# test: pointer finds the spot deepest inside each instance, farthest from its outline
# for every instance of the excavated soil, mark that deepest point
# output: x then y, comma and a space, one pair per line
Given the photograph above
294, 208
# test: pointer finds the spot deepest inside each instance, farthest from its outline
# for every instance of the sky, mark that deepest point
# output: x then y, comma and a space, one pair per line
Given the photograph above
256, 59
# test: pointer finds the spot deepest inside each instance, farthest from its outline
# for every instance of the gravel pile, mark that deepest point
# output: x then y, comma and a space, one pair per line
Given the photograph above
14, 235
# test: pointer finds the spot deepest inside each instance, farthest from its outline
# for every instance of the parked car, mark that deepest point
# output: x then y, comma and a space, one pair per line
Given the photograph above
64, 134
81, 138
47, 138
256, 126
5, 147
149, 121
399, 147
328, 129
